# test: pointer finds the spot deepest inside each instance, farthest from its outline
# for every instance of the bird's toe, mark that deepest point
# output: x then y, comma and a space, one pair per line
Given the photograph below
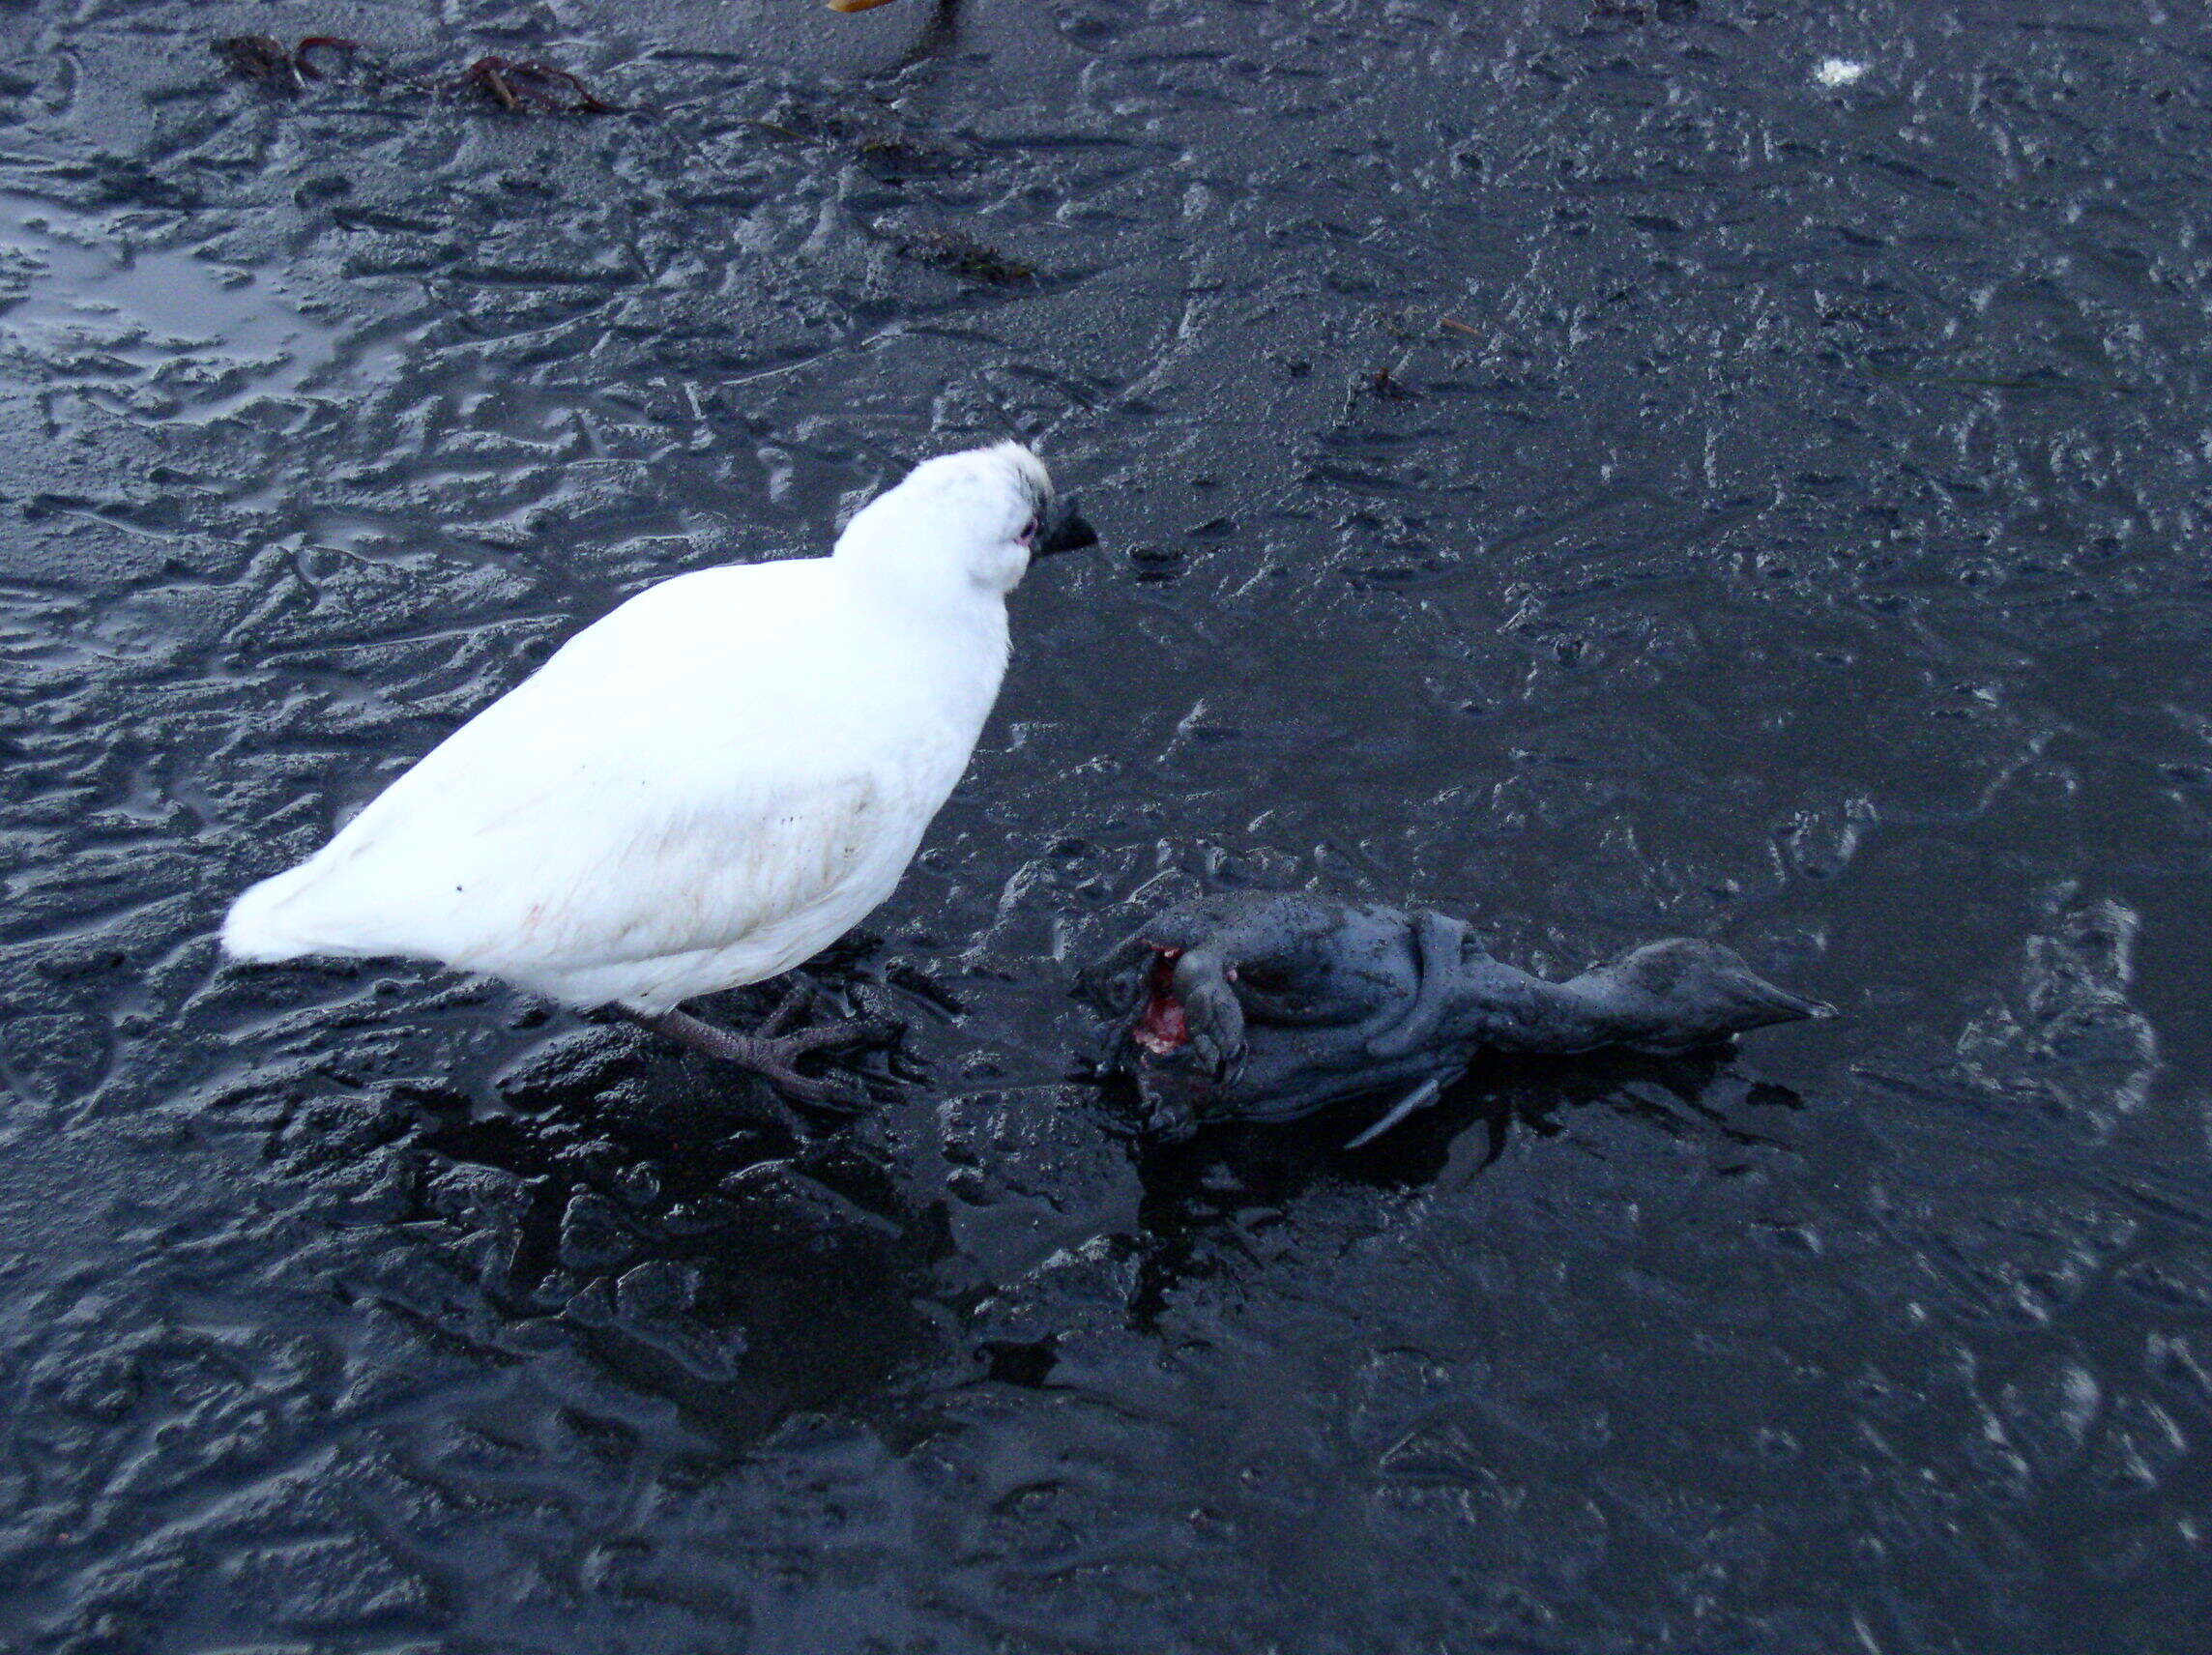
843, 1093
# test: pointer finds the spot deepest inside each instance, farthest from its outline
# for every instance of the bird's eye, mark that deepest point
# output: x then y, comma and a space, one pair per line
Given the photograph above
1030, 530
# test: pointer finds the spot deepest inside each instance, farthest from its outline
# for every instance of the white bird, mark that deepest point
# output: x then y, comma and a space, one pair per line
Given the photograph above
705, 787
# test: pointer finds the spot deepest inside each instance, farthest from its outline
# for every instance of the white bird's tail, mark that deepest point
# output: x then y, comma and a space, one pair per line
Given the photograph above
259, 928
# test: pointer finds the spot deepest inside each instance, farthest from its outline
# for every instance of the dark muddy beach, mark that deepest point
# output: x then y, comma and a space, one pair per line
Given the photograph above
1606, 469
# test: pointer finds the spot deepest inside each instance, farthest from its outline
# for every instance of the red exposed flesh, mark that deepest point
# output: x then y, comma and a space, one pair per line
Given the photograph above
1163, 1027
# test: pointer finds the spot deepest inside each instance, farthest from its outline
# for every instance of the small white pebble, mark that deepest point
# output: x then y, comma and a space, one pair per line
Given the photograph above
1838, 71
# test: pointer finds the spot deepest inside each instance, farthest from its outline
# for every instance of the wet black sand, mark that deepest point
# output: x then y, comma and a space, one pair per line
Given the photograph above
1559, 463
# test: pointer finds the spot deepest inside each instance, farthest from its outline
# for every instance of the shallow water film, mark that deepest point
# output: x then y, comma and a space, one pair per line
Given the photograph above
1608, 469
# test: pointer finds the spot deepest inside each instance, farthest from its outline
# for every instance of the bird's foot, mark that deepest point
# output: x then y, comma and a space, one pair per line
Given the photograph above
774, 1057
773, 1050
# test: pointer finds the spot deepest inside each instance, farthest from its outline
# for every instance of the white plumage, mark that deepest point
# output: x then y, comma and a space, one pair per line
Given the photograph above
705, 787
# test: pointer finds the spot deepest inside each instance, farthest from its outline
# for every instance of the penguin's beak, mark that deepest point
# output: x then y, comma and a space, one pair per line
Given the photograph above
1063, 530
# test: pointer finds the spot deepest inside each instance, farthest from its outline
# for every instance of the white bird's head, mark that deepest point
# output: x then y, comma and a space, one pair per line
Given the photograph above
974, 518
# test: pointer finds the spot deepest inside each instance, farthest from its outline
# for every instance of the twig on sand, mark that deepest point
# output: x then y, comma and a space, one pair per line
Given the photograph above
262, 58
964, 256
515, 87
304, 54
1386, 387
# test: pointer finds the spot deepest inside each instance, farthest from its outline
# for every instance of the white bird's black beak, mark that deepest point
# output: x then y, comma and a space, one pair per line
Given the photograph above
1063, 530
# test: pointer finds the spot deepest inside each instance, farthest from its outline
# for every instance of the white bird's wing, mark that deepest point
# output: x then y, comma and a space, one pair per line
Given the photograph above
697, 765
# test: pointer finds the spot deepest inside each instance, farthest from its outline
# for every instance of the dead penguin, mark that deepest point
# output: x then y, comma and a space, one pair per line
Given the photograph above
1251, 1006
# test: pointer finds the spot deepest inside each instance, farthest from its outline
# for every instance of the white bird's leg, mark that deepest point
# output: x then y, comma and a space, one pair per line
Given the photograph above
773, 1054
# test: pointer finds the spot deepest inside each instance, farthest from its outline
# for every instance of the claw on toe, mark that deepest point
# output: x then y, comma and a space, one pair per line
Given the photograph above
845, 1097
1420, 1097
